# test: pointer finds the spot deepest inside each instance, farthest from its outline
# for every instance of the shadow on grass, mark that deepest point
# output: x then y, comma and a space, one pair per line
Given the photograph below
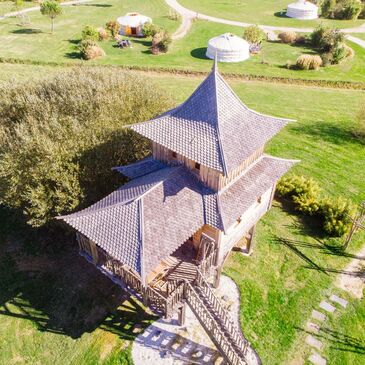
327, 132
281, 14
59, 291
97, 5
339, 341
26, 31
199, 53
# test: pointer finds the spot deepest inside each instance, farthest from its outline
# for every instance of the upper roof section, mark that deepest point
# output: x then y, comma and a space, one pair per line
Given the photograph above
212, 127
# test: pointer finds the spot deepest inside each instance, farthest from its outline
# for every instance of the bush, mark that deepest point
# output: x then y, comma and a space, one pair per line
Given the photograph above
309, 62
326, 39
335, 214
89, 33
89, 49
103, 34
113, 27
59, 138
341, 9
149, 30
161, 42
327, 58
254, 35
304, 193
339, 54
359, 127
288, 37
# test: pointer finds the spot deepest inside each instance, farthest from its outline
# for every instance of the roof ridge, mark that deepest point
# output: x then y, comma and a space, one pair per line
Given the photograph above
219, 139
280, 158
85, 212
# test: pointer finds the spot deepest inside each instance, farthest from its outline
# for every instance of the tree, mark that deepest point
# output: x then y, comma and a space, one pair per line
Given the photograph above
52, 9
254, 35
60, 137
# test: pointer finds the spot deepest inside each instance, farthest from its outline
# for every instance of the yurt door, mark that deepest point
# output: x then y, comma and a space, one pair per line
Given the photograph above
133, 31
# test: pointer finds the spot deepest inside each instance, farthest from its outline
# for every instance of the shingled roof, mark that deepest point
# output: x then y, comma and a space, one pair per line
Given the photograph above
152, 215
212, 127
146, 219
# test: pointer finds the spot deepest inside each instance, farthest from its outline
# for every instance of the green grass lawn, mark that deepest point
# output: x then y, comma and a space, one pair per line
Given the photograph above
279, 285
266, 12
359, 35
8, 6
37, 44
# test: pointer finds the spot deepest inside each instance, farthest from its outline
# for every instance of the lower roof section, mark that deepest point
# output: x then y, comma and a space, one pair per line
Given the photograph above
152, 215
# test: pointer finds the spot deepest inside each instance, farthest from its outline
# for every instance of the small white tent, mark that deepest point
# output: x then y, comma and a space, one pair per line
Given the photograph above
302, 9
228, 48
131, 24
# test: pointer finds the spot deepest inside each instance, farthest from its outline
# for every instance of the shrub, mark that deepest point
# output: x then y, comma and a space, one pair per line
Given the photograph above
309, 62
173, 15
93, 51
59, 137
89, 33
254, 35
103, 34
335, 214
347, 9
161, 42
288, 37
113, 27
149, 30
326, 39
327, 58
359, 127
339, 54
304, 193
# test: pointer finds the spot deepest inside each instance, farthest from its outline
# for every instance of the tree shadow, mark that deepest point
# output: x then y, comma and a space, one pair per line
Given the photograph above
327, 132
339, 341
59, 291
73, 55
199, 53
26, 31
143, 42
97, 5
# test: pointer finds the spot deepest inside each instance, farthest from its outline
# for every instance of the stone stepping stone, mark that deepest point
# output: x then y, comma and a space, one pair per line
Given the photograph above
317, 359
318, 315
334, 298
313, 342
327, 306
312, 327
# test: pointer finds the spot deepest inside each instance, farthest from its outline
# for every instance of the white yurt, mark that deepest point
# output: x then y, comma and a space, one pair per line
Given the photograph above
228, 48
131, 24
302, 9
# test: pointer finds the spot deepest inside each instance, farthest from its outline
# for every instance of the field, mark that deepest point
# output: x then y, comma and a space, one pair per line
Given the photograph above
267, 12
56, 309
35, 43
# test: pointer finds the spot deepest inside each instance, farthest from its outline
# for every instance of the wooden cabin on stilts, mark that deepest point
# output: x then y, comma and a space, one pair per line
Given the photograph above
165, 235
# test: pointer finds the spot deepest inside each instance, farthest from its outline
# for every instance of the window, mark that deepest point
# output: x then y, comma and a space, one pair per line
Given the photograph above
239, 220
197, 165
259, 200
174, 155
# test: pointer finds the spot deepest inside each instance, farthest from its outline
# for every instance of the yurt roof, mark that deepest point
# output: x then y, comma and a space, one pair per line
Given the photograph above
303, 5
228, 42
134, 19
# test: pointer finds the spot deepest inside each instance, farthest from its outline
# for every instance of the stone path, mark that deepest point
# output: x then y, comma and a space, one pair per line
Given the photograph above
188, 16
352, 280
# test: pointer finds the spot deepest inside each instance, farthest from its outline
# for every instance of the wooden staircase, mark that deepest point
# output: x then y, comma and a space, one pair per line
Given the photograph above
217, 323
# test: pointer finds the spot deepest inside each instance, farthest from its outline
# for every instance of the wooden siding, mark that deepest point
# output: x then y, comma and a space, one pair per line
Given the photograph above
210, 177
247, 221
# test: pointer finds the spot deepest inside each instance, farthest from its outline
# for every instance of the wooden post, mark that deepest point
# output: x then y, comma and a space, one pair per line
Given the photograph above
251, 243
272, 196
217, 278
356, 224
182, 314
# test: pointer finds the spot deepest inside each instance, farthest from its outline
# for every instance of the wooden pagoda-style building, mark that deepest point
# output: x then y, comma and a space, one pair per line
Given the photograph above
164, 235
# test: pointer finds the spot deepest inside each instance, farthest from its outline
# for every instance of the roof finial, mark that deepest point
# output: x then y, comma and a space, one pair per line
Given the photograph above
215, 64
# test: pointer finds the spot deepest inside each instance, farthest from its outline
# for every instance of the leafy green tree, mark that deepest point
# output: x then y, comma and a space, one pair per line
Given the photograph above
52, 9
89, 33
60, 137
254, 35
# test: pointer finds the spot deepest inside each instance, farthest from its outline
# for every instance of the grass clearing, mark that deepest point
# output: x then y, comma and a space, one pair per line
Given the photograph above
279, 284
266, 12
35, 43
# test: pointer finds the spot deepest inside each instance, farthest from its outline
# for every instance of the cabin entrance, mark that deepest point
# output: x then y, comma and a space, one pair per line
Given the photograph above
133, 30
